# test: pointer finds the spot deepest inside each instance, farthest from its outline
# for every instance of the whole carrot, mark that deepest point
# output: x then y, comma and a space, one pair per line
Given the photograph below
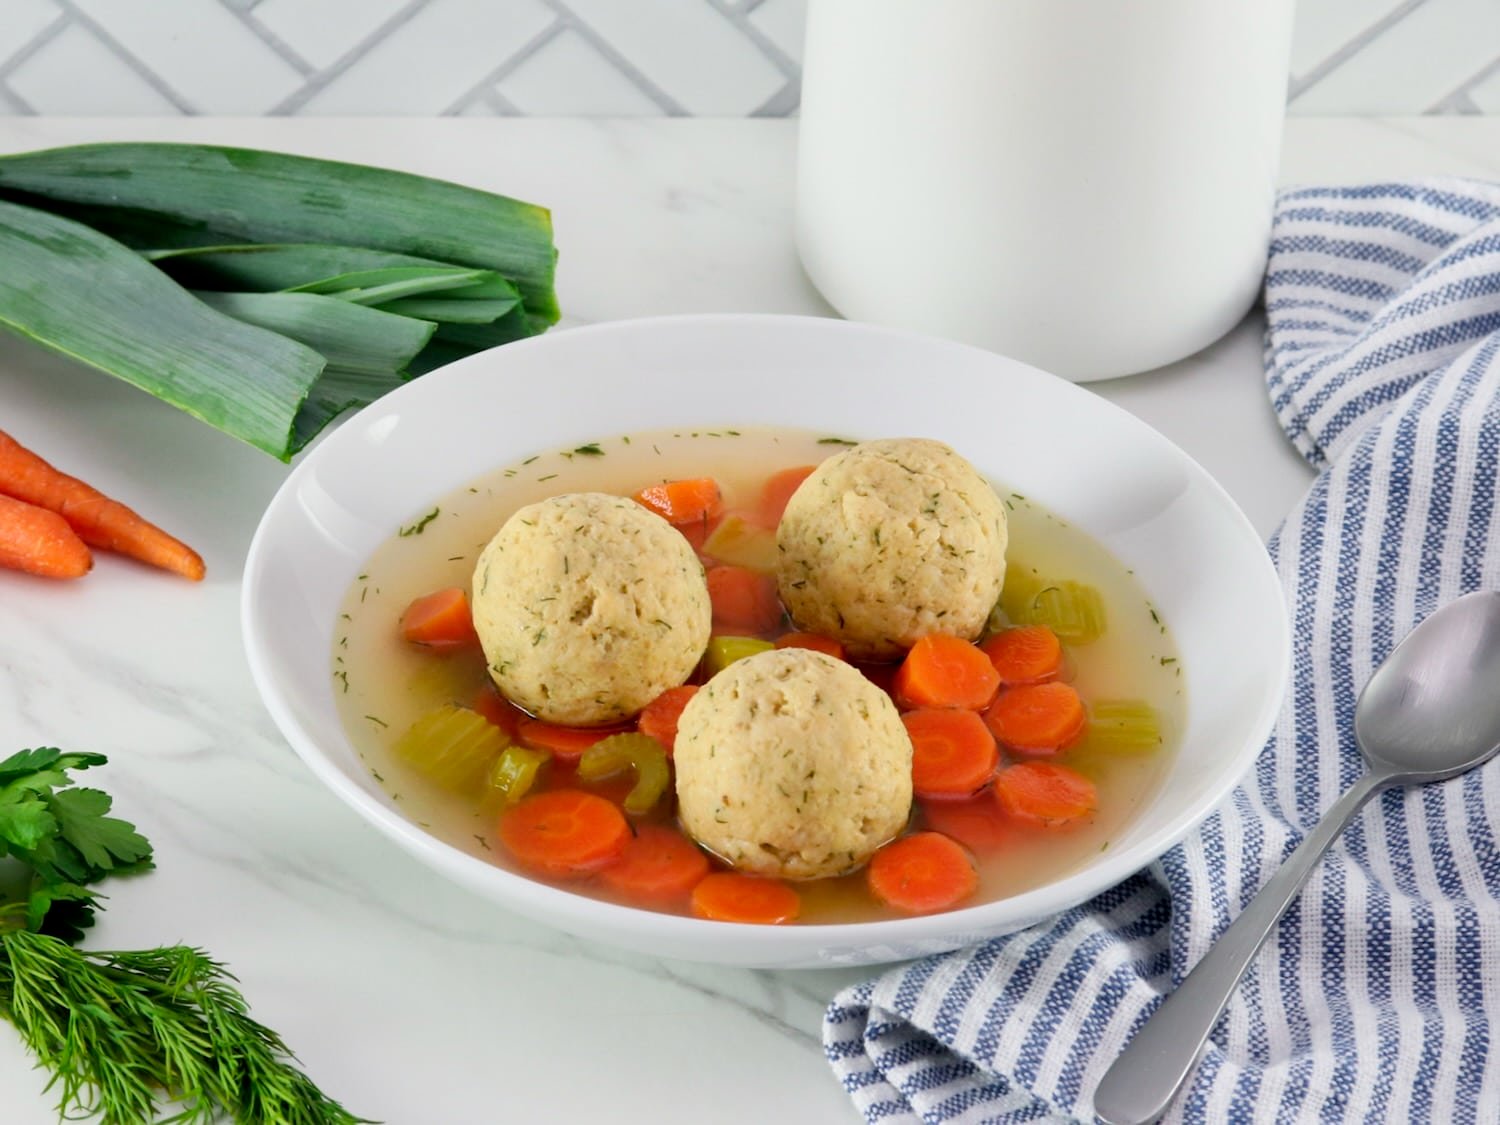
37, 541
98, 520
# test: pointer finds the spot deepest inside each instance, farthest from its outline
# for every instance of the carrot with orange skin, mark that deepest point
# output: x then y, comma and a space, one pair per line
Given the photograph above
944, 671
659, 717
440, 620
1045, 793
777, 492
728, 896
98, 520
682, 501
564, 833
659, 867
953, 754
921, 873
36, 541
1028, 654
567, 744
815, 641
1037, 718
743, 598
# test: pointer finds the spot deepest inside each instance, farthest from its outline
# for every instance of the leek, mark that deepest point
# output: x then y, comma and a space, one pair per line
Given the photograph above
72, 290
102, 240
156, 196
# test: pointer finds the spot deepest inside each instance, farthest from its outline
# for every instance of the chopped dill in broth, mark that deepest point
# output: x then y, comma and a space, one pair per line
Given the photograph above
382, 684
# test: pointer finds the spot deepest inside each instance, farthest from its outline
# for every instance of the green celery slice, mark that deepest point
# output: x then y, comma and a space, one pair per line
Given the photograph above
1123, 726
291, 265
515, 772
71, 289
724, 651
452, 746
349, 336
638, 752
738, 541
1072, 610
153, 195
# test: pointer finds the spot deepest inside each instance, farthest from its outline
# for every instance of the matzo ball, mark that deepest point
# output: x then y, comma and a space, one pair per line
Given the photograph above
791, 763
890, 541
588, 607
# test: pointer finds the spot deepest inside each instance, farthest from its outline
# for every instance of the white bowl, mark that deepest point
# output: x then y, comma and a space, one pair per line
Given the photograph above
1085, 459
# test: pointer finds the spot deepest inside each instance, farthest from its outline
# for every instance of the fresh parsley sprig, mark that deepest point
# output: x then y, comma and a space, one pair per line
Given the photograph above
123, 1032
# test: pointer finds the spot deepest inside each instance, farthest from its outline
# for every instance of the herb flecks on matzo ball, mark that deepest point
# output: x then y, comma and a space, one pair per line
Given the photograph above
791, 763
888, 542
588, 607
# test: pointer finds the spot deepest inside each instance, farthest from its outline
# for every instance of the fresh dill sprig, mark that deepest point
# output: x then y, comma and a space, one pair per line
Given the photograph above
123, 1033
121, 1030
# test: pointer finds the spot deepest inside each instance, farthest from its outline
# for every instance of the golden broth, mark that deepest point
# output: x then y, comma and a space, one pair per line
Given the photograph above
382, 685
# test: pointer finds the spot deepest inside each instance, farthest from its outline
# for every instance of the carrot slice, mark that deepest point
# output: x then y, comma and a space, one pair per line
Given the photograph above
1029, 654
826, 645
498, 710
777, 492
37, 541
659, 866
743, 598
727, 896
440, 620
659, 718
97, 520
921, 873
1045, 793
564, 832
977, 823
944, 671
953, 754
682, 501
566, 743
1036, 718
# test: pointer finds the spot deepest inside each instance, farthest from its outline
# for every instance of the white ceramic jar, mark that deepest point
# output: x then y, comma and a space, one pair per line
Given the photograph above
1085, 185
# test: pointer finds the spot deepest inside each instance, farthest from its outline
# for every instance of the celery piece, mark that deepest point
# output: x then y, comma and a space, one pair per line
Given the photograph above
1123, 726
1072, 610
724, 651
515, 772
741, 543
638, 752
453, 747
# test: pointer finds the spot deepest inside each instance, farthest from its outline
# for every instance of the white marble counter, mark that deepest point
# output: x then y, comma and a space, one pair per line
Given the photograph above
405, 997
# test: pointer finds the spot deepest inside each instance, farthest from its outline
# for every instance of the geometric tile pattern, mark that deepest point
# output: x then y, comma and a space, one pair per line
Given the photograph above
604, 57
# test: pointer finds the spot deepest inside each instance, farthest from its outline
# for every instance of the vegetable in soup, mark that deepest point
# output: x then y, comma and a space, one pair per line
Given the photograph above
1032, 745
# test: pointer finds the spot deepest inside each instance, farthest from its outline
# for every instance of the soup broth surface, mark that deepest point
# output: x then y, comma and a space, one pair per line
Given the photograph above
382, 685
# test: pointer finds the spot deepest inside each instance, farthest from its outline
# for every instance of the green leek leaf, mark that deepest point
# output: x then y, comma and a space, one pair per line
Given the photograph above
297, 265
152, 195
337, 390
349, 336
449, 310
75, 291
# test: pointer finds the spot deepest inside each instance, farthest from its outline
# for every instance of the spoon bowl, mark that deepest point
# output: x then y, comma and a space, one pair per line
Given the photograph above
1431, 711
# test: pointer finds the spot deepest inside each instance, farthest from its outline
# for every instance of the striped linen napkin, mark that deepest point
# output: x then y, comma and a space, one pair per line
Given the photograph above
1378, 996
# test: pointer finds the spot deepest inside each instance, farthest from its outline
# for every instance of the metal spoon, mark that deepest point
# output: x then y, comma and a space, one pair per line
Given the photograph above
1430, 711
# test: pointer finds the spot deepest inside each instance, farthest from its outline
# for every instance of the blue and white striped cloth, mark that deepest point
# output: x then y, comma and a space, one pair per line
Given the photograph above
1378, 996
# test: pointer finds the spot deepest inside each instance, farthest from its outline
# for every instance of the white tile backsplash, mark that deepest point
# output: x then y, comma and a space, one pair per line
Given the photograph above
605, 57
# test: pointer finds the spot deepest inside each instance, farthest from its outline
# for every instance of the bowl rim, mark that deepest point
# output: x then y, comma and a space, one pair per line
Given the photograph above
556, 905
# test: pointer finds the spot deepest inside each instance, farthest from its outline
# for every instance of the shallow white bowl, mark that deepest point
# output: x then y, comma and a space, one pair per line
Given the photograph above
1085, 459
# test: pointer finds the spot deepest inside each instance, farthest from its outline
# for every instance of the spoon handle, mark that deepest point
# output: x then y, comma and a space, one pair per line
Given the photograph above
1142, 1082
